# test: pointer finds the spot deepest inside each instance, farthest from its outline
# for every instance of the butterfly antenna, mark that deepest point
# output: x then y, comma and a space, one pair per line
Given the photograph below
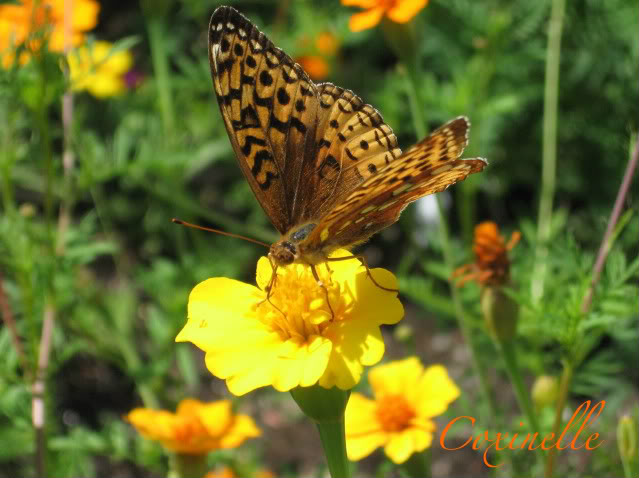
202, 228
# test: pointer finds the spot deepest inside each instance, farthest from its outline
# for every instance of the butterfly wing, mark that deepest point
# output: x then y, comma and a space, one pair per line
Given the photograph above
427, 168
269, 107
352, 143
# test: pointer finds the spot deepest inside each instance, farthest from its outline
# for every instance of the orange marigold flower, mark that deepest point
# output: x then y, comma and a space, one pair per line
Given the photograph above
20, 23
196, 428
316, 66
227, 472
399, 11
327, 43
491, 266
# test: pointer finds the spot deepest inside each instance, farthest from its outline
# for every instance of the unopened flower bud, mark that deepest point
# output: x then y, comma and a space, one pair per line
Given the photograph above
500, 313
627, 438
545, 391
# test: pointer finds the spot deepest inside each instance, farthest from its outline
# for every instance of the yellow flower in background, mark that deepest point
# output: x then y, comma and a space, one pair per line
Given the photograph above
99, 70
399, 418
295, 340
398, 11
28, 19
196, 428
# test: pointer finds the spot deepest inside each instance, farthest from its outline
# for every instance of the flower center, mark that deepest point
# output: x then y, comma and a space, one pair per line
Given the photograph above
300, 307
394, 412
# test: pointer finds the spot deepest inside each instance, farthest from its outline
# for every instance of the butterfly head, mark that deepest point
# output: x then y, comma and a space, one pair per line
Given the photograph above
283, 252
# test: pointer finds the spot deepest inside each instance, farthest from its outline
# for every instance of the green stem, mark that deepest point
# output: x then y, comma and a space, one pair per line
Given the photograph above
155, 26
564, 387
418, 465
509, 355
326, 408
334, 442
187, 466
549, 148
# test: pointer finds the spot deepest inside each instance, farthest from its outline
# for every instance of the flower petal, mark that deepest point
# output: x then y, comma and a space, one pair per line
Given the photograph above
400, 447
405, 10
243, 428
356, 342
436, 391
360, 3
367, 19
363, 432
396, 378
221, 309
376, 304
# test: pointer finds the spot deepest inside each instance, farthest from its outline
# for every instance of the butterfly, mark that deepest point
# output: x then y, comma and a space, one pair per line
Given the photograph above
323, 165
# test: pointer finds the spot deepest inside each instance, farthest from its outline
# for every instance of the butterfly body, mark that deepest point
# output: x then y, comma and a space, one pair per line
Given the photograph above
324, 166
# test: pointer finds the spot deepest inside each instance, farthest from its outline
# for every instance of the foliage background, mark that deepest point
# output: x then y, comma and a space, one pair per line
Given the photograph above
119, 290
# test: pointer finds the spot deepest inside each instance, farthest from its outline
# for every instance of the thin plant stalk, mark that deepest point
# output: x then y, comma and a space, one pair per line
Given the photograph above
156, 29
10, 323
549, 148
509, 355
604, 249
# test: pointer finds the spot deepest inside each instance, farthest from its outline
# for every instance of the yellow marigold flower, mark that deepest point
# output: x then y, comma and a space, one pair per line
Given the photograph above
407, 397
491, 266
399, 11
294, 340
98, 70
20, 22
196, 428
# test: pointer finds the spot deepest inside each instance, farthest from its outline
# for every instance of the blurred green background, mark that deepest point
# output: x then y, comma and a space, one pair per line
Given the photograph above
118, 285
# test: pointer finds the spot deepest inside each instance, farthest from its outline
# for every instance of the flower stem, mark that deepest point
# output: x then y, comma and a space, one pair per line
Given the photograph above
326, 408
187, 466
549, 148
509, 355
334, 443
160, 61
564, 387
418, 465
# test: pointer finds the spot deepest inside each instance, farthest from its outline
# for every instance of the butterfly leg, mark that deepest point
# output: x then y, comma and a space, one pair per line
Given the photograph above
321, 284
330, 272
362, 259
269, 289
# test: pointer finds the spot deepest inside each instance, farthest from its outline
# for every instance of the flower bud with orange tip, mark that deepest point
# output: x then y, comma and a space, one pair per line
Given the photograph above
491, 270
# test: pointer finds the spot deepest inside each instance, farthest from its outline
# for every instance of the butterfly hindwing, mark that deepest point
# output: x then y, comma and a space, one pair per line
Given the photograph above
427, 168
352, 142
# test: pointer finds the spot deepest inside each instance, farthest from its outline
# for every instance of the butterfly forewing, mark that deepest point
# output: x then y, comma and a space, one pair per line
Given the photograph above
302, 147
269, 106
427, 168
